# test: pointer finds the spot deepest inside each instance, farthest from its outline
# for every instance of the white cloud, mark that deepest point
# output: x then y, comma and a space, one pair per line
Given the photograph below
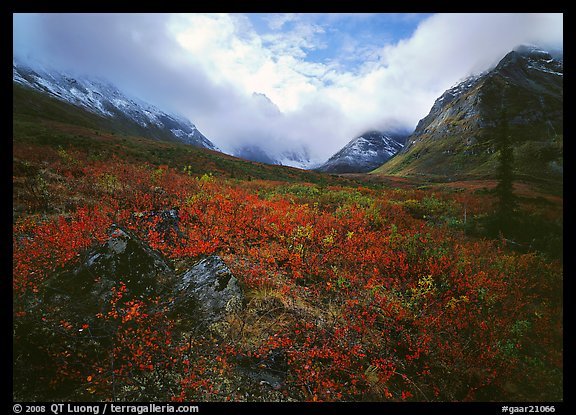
278, 20
240, 58
396, 87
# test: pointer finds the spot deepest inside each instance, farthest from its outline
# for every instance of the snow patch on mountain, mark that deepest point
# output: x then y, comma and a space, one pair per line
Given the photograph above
104, 99
364, 153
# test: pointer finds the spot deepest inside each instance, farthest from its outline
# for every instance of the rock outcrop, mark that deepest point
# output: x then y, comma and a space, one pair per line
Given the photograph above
207, 292
201, 296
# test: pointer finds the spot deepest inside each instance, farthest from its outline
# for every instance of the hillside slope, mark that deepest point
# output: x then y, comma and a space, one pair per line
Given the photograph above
457, 137
47, 124
117, 110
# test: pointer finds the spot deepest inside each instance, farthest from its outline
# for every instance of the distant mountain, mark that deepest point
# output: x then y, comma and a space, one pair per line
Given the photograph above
127, 114
364, 153
458, 136
254, 153
298, 156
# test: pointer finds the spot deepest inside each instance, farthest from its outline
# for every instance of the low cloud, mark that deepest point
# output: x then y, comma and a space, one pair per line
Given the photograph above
209, 67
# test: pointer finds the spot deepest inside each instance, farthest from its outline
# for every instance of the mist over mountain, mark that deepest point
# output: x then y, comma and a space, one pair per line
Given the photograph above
458, 135
133, 115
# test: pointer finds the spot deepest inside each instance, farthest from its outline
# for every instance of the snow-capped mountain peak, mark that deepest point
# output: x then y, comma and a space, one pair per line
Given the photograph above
364, 153
104, 99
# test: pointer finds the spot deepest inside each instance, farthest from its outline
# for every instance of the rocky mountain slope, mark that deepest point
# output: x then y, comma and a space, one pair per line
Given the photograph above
128, 114
458, 136
364, 153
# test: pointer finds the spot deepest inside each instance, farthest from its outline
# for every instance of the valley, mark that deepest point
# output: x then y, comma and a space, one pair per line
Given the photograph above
354, 288
150, 266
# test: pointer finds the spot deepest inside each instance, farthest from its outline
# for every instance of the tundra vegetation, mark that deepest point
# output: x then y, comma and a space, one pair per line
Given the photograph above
363, 290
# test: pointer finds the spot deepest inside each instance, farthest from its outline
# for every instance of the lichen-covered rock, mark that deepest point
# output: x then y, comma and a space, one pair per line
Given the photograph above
123, 258
100, 305
207, 292
199, 297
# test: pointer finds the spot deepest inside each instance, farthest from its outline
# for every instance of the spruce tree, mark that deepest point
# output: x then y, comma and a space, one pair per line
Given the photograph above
504, 189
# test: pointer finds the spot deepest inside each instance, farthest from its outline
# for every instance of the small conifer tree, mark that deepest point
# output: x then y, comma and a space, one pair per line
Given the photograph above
504, 189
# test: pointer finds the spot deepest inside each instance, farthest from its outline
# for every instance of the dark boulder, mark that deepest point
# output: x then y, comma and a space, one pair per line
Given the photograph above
199, 297
78, 312
87, 286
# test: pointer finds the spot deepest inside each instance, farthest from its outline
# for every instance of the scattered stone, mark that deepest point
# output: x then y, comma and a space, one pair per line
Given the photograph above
270, 370
201, 296
123, 258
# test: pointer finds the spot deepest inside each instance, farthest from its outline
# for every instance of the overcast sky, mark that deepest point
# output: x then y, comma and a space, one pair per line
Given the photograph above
283, 80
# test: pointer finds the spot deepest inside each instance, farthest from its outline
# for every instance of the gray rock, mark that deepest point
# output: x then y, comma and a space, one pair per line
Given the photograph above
81, 293
165, 222
201, 296
207, 292
123, 258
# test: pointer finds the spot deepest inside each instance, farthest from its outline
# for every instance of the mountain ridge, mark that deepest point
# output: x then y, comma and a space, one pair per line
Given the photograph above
102, 98
454, 138
364, 153
457, 136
